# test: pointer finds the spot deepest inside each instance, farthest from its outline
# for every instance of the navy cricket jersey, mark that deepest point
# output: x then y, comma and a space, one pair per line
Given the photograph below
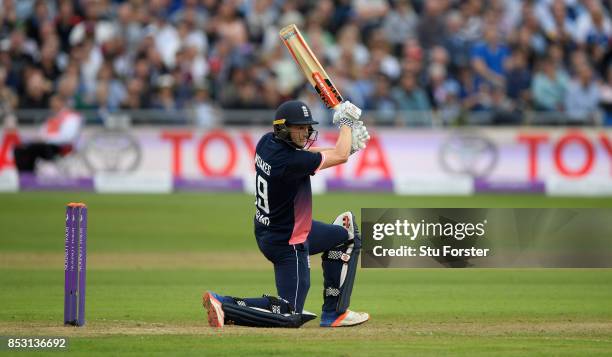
283, 196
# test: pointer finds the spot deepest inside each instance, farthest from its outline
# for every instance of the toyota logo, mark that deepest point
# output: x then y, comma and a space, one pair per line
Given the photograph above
468, 153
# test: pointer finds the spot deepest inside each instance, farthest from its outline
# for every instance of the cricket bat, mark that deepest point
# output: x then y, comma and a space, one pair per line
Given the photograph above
310, 66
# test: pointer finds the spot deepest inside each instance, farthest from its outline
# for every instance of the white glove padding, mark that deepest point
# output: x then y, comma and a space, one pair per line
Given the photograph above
360, 137
346, 114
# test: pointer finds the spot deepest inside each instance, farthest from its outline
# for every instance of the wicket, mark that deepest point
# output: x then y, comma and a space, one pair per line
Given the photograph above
75, 264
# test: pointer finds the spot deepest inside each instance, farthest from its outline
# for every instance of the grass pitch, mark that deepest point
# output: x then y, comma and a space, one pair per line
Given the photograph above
150, 257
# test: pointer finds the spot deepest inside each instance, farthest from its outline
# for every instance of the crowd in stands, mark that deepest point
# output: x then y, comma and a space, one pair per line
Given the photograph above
409, 62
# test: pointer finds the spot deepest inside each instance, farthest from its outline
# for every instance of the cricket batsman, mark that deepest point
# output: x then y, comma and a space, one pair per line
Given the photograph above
285, 231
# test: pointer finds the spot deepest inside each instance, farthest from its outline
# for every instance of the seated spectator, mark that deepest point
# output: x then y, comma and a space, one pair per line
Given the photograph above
400, 24
431, 27
348, 40
503, 110
582, 97
381, 102
58, 134
518, 78
164, 98
134, 95
203, 111
468, 90
115, 89
489, 57
548, 87
412, 101
605, 98
8, 101
48, 60
594, 29
37, 91
441, 89
456, 43
443, 93
557, 21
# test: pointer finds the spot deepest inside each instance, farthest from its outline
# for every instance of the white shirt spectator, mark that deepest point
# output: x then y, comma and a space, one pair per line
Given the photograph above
543, 12
582, 101
167, 42
62, 128
586, 27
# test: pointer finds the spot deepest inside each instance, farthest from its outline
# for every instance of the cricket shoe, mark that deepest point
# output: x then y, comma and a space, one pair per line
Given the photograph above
212, 304
347, 220
346, 319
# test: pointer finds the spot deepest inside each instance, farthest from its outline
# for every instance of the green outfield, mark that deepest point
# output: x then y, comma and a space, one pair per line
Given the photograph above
150, 257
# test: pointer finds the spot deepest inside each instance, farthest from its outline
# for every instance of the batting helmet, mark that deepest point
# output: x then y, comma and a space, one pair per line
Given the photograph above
294, 112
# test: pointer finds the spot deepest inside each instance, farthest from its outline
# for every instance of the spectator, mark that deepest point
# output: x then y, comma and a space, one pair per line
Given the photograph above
191, 9
164, 98
67, 88
528, 36
48, 60
191, 36
348, 41
167, 40
412, 102
65, 21
582, 97
370, 12
555, 20
8, 101
472, 11
594, 33
518, 78
135, 95
548, 86
8, 18
593, 27
20, 53
503, 110
489, 57
400, 24
468, 89
57, 135
345, 76
431, 24
260, 17
40, 15
413, 60
115, 91
204, 113
94, 25
229, 26
456, 43
380, 52
605, 100
37, 92
90, 65
127, 27
381, 102
443, 93
441, 89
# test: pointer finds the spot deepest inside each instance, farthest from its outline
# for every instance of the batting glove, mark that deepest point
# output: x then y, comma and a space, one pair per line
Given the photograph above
346, 114
360, 137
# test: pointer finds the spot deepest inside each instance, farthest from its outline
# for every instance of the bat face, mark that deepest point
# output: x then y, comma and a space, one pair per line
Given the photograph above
310, 66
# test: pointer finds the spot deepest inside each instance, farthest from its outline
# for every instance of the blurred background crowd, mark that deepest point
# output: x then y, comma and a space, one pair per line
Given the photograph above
407, 62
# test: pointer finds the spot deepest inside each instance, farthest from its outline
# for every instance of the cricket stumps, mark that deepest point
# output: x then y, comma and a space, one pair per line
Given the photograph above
75, 264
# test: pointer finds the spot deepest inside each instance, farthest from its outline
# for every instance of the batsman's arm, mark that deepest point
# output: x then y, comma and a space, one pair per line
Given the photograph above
340, 154
320, 149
